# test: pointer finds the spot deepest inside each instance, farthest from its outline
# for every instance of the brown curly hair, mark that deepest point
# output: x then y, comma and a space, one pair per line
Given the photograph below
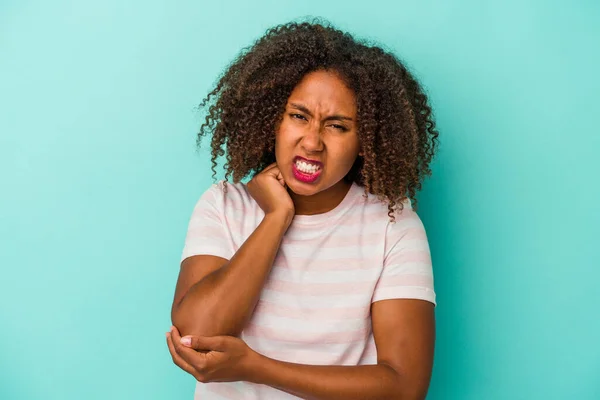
395, 123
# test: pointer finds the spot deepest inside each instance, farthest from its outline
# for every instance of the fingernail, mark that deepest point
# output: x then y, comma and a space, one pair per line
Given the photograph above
186, 340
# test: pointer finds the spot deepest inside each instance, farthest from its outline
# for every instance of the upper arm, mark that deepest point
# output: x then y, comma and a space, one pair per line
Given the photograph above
403, 303
207, 246
404, 332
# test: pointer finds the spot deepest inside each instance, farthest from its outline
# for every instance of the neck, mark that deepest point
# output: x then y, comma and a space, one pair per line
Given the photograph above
321, 202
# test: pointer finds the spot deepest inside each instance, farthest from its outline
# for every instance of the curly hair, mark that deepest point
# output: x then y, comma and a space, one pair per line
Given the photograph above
394, 121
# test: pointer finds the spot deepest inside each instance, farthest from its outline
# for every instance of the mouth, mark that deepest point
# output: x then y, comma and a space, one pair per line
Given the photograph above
307, 171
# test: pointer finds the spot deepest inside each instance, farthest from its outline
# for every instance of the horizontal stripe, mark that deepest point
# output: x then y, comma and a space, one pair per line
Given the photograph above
408, 234
310, 326
408, 256
331, 253
309, 241
270, 345
290, 299
285, 261
405, 280
324, 275
318, 289
299, 242
201, 231
248, 220
302, 313
350, 357
287, 335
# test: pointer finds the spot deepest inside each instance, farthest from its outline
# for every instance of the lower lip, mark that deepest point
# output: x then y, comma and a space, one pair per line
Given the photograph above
306, 178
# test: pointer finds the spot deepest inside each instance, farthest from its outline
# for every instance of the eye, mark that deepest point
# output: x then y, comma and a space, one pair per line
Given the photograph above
297, 116
341, 128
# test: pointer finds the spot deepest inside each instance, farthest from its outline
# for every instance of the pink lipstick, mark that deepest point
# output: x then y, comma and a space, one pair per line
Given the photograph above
307, 171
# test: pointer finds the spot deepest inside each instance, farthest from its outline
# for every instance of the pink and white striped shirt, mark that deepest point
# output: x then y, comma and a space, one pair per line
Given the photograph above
315, 305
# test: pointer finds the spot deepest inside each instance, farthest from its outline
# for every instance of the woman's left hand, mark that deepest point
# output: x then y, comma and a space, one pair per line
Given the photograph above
211, 359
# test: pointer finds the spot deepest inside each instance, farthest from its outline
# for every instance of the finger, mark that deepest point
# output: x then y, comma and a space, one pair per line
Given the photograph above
180, 362
177, 360
208, 343
196, 359
280, 179
274, 172
177, 338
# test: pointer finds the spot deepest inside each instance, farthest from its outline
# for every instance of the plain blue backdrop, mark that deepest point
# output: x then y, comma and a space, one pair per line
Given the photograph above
99, 176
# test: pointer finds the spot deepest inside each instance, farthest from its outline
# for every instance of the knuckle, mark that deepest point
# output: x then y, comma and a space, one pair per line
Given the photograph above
200, 366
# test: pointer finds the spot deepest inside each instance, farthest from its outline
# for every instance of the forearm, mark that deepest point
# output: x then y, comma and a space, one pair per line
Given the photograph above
331, 382
223, 301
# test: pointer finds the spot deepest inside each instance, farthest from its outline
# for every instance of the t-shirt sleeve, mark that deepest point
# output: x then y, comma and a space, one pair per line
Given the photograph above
207, 233
407, 269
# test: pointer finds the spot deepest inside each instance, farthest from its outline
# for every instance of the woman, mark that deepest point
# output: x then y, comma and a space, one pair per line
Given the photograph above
314, 280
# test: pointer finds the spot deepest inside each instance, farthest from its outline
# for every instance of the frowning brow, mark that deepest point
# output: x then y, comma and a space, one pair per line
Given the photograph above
305, 110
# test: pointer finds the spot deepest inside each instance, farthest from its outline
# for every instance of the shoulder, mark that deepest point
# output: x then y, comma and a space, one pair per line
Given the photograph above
378, 208
230, 196
406, 222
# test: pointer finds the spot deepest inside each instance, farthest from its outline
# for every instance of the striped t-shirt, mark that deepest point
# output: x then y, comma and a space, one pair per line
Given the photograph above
315, 305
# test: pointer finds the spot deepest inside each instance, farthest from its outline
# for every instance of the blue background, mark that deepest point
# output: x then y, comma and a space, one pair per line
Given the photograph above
99, 175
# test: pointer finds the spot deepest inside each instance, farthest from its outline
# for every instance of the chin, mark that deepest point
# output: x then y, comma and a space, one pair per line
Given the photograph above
303, 189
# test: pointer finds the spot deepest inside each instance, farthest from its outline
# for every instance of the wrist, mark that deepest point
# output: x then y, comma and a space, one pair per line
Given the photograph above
283, 217
257, 367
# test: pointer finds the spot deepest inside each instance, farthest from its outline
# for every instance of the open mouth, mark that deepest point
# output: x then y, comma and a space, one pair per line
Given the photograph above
305, 170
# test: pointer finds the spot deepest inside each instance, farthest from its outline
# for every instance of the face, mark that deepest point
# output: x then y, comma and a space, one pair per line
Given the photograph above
317, 143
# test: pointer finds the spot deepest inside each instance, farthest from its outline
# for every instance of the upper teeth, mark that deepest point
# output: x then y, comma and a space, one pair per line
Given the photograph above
306, 167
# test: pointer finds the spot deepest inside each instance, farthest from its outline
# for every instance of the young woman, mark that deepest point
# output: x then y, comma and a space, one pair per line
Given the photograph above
314, 280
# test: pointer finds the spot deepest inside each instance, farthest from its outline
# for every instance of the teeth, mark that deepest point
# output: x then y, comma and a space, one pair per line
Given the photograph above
306, 167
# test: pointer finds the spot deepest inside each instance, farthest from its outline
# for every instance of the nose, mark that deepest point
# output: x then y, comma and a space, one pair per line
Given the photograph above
312, 141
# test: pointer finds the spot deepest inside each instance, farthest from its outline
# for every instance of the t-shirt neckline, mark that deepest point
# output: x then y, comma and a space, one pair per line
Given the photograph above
346, 202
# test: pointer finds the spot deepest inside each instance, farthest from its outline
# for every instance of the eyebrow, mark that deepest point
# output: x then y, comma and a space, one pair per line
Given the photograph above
302, 108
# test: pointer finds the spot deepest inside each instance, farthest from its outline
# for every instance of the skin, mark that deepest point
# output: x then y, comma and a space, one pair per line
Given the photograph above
208, 287
319, 124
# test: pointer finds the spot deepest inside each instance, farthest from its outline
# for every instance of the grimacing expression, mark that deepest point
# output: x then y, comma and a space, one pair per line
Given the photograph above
317, 142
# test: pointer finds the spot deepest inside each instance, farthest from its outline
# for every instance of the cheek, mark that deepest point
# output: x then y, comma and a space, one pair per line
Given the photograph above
282, 142
350, 151
285, 136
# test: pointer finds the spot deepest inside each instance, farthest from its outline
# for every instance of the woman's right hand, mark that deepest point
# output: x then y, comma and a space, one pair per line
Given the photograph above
270, 192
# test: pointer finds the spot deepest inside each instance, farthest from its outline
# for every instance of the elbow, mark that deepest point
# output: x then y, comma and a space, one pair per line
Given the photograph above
407, 388
187, 321
413, 396
190, 324
414, 388
409, 391
405, 392
179, 321
201, 323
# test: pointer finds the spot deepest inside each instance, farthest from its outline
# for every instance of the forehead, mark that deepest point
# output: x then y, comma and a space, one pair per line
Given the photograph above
324, 91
